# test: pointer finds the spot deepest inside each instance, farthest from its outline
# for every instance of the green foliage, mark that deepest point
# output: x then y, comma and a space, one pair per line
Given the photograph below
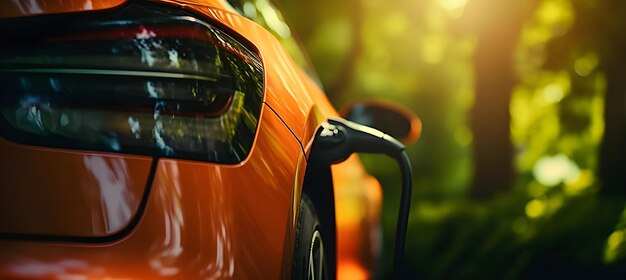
419, 54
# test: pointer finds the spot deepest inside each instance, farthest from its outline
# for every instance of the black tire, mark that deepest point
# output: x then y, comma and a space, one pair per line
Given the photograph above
308, 243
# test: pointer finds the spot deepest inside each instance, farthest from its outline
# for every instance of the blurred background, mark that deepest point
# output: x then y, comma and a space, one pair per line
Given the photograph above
520, 171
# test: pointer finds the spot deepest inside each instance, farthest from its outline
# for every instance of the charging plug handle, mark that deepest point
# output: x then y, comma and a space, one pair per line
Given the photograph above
338, 138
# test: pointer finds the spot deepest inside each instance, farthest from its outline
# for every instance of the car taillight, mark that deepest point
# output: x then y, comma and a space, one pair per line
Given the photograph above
142, 80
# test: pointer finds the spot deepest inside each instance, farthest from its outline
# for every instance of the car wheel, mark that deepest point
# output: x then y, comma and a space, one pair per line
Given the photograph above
309, 260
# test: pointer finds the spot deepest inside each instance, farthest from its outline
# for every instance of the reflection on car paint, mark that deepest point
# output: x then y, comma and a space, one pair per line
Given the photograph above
29, 7
170, 248
66, 193
117, 203
62, 269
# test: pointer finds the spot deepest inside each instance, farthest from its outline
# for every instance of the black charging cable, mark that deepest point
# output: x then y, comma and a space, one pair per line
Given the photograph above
337, 139
403, 213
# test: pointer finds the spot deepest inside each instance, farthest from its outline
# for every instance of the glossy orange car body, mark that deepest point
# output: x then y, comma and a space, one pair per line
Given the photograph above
195, 219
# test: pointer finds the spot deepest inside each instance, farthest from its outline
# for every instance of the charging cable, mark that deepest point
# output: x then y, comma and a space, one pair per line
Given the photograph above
337, 139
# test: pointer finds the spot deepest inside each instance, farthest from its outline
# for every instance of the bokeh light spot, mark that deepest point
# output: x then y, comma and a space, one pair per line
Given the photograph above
557, 14
614, 245
615, 239
584, 65
584, 180
550, 12
273, 20
535, 208
551, 171
553, 93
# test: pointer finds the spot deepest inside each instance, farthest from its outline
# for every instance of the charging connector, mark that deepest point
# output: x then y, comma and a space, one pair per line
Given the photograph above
337, 139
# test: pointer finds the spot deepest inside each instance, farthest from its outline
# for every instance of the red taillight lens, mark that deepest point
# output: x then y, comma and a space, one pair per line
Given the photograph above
139, 80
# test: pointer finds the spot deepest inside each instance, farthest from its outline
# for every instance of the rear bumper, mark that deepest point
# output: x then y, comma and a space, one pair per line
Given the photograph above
201, 220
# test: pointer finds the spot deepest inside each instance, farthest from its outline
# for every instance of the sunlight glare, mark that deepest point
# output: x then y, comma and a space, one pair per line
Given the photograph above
453, 4
551, 171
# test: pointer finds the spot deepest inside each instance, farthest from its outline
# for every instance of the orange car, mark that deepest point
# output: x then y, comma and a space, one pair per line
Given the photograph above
170, 138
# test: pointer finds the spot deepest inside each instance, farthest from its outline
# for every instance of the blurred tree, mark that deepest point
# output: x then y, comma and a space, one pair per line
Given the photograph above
613, 146
497, 25
344, 78
599, 27
332, 33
